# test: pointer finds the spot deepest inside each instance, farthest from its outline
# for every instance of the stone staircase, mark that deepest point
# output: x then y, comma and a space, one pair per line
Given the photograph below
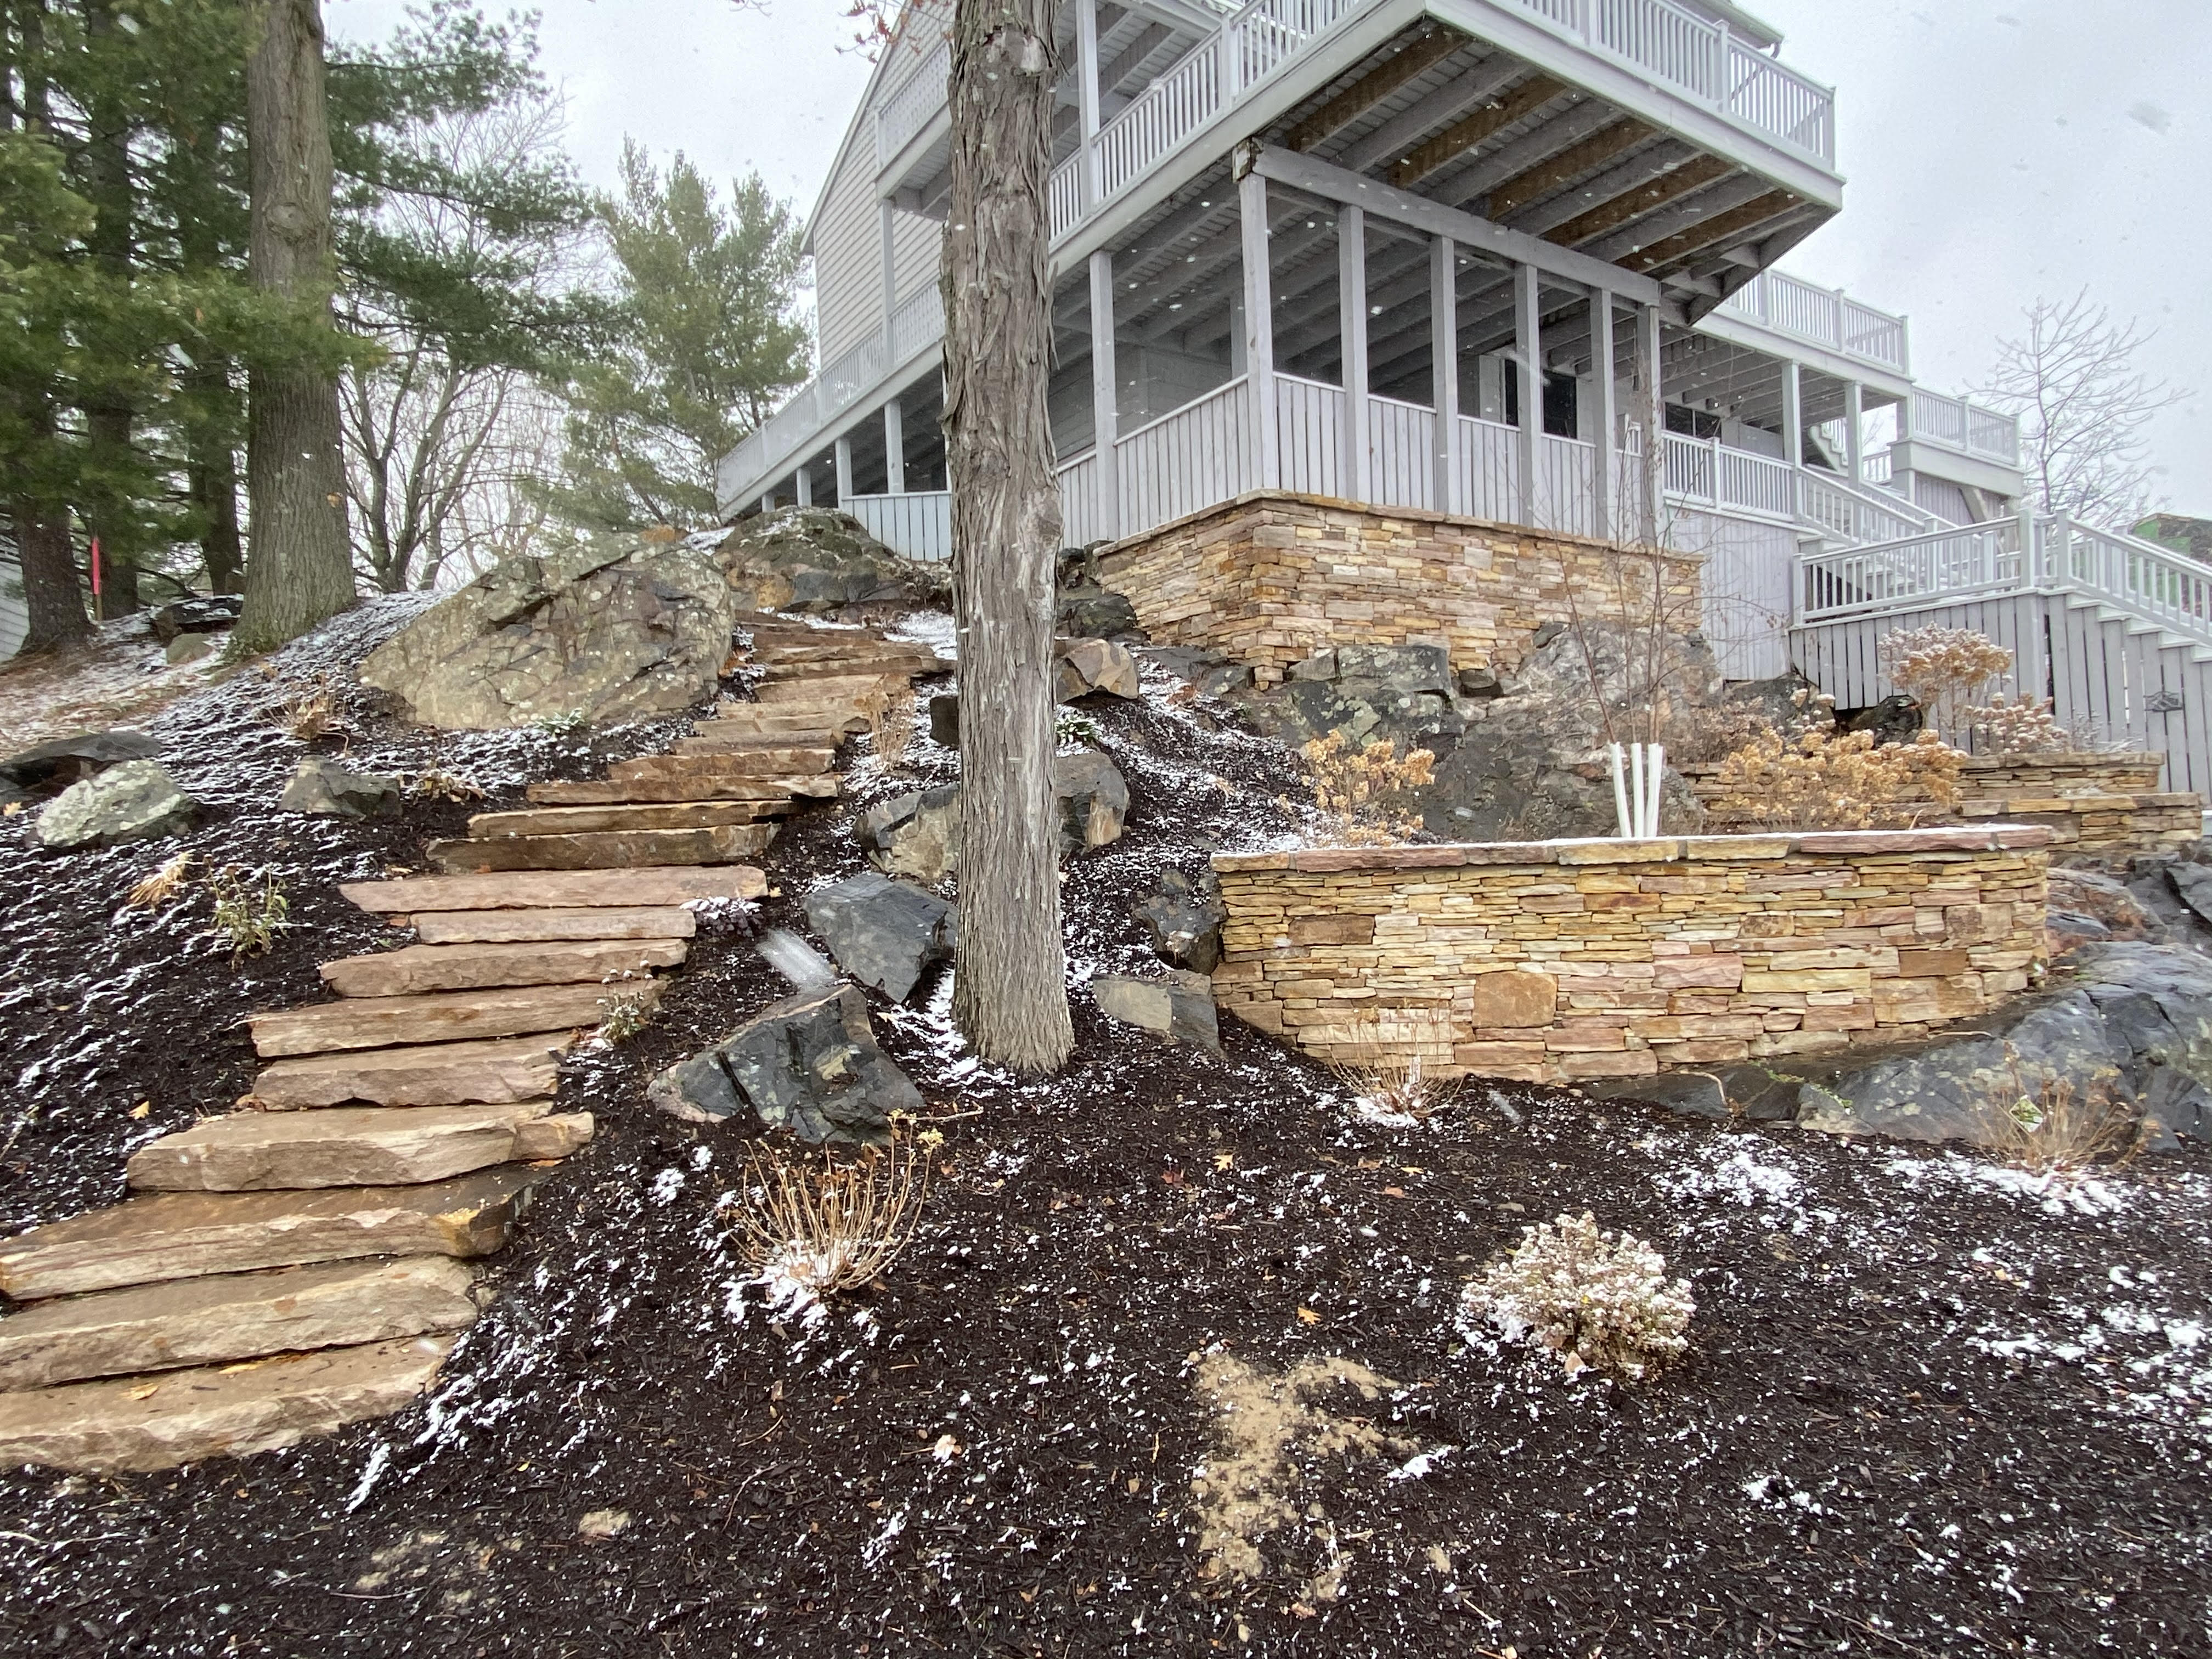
305, 1262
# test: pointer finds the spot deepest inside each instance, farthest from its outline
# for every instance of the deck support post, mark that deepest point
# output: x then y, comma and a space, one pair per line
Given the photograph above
768, 501
1528, 361
1105, 412
1793, 413
1259, 324
1446, 491
1651, 410
803, 485
1086, 95
1352, 475
1854, 441
1907, 424
1605, 418
894, 448
885, 228
844, 453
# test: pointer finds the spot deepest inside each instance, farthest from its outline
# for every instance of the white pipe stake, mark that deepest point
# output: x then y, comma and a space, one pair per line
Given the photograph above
1621, 818
1657, 774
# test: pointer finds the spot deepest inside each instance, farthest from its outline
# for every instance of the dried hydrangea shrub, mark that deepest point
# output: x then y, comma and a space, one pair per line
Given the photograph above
1598, 1300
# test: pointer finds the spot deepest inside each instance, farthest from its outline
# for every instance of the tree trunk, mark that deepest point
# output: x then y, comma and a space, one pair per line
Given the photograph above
298, 571
1010, 996
51, 593
110, 420
212, 476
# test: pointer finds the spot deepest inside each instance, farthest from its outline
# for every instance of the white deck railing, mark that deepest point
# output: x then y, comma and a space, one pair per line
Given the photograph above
908, 110
1942, 566
1824, 316
1958, 424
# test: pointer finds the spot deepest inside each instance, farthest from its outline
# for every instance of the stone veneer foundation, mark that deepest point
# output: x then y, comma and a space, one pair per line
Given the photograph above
1559, 960
2095, 805
1270, 578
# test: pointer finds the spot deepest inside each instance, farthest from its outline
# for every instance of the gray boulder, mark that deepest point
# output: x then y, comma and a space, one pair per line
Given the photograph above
1084, 666
624, 628
190, 647
1097, 612
136, 801
2192, 885
884, 932
819, 561
1209, 673
1179, 1007
808, 1064
1094, 800
945, 719
916, 834
203, 613
332, 789
56, 765
1183, 924
1691, 1094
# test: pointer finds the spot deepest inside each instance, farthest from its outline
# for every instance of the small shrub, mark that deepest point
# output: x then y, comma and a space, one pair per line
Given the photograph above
1822, 779
1392, 1076
559, 725
1070, 727
815, 1228
247, 919
1597, 1300
2020, 726
155, 890
2058, 1128
437, 784
314, 711
624, 1014
1944, 670
891, 727
1355, 790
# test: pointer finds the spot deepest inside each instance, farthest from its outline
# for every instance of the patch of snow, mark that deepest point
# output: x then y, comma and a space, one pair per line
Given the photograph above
666, 1185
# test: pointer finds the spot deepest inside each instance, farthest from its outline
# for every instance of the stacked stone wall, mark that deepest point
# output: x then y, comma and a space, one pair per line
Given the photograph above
1554, 961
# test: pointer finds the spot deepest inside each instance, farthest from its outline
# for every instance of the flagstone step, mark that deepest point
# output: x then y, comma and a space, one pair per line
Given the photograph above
439, 1017
732, 764
496, 1072
422, 967
723, 736
209, 1321
831, 688
158, 1237
603, 849
773, 717
352, 1146
515, 927
556, 889
777, 791
585, 820
158, 1422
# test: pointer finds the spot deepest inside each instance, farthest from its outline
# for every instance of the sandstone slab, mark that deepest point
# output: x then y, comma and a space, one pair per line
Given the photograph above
612, 792
433, 1074
582, 820
176, 1236
555, 889
440, 1016
758, 763
514, 927
607, 849
185, 1417
351, 1146
1084, 666
209, 1321
425, 968
1514, 999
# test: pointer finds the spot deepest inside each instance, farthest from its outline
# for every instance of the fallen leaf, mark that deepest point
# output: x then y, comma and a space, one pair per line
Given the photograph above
1411, 1169
1393, 1192
144, 1393
1223, 1160
1371, 1162
11, 808
141, 1109
1308, 1316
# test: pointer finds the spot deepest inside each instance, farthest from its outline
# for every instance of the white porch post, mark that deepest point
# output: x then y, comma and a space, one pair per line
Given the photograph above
1105, 414
1352, 475
844, 472
1854, 441
1793, 414
1607, 413
1259, 324
1086, 95
895, 447
768, 501
1529, 355
1900, 479
1651, 409
884, 227
1447, 492
805, 485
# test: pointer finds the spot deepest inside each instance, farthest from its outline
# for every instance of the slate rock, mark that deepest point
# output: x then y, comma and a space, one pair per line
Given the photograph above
1480, 682
1082, 667
1208, 672
2192, 885
884, 932
1691, 1094
135, 800
916, 834
808, 1064
55, 765
1758, 1094
1097, 612
1407, 669
1179, 1007
2103, 899
1322, 665
329, 788
1182, 923
945, 719
1094, 800
190, 647
205, 613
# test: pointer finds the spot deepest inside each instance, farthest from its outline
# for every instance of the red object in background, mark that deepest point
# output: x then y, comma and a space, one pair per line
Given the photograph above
95, 567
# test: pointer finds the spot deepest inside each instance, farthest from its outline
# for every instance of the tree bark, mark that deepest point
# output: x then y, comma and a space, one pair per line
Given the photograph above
1009, 997
298, 571
211, 475
110, 420
52, 596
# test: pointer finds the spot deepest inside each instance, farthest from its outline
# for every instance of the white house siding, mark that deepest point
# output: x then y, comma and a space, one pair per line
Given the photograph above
917, 251
15, 620
1749, 565
849, 270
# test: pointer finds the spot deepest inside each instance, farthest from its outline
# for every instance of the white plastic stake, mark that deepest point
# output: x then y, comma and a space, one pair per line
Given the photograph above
1656, 775
1621, 816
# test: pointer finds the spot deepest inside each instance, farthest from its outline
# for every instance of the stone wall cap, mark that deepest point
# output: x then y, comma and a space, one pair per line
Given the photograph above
1666, 850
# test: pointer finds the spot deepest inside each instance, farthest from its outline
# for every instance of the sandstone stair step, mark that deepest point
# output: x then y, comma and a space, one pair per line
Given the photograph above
715, 737
159, 1238
831, 688
491, 1073
781, 663
585, 820
787, 717
732, 764
135, 1423
603, 849
703, 785
599, 922
422, 967
555, 889
210, 1322
439, 1017
352, 1146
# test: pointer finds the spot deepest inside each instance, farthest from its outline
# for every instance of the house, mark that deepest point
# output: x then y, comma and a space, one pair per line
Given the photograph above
1511, 262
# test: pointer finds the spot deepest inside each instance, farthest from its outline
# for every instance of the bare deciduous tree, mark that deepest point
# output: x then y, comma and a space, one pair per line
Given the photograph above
2082, 405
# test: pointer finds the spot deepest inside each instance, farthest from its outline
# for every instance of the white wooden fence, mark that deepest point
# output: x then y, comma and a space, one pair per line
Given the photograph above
919, 524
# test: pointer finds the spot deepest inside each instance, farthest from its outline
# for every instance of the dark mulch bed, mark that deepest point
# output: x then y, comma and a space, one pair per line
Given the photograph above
1931, 1408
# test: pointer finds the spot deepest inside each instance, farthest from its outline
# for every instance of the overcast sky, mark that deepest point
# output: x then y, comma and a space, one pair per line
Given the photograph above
1993, 152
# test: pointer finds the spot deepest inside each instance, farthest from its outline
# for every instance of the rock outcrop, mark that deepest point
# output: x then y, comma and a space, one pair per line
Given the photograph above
618, 629
329, 788
1184, 923
884, 932
817, 560
808, 1064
